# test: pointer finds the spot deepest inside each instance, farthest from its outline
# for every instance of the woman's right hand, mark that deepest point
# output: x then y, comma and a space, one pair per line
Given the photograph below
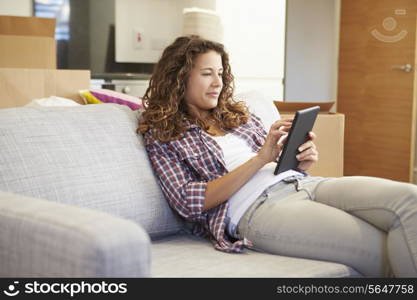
271, 148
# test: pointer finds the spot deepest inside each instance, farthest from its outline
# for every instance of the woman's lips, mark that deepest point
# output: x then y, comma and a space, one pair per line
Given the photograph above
213, 94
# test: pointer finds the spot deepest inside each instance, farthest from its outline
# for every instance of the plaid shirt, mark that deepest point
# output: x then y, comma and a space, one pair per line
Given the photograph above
185, 166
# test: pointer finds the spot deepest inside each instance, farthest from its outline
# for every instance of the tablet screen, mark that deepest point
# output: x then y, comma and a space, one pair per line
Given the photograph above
303, 123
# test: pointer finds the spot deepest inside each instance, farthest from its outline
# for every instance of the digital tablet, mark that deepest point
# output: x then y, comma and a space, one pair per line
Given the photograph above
302, 124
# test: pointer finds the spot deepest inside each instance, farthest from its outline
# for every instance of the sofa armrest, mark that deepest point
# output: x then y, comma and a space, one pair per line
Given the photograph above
40, 238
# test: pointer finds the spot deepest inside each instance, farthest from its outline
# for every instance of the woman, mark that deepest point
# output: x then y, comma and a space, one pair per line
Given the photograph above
215, 161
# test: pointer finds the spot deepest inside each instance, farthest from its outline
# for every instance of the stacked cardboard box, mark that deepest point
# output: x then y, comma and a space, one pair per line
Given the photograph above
27, 42
28, 63
18, 86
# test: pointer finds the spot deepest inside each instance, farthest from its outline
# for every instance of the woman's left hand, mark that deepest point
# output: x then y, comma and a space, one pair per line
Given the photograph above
308, 153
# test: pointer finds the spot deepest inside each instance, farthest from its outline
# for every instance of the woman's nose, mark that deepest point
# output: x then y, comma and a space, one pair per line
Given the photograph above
217, 80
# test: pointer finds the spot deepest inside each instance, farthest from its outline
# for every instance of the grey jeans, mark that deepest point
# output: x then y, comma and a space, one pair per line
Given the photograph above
367, 223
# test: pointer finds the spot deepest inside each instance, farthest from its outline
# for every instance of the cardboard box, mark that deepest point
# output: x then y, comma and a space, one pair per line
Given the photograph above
294, 106
19, 86
27, 42
329, 128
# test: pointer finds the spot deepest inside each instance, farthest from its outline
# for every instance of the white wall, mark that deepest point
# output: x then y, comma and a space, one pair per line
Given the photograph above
254, 35
159, 21
311, 50
16, 7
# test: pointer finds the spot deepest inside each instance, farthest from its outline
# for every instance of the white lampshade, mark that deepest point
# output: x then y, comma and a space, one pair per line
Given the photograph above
202, 22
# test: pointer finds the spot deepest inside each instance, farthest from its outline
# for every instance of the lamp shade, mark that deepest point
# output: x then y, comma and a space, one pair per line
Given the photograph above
202, 22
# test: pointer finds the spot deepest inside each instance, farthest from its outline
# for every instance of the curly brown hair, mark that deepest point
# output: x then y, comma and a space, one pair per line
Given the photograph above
166, 113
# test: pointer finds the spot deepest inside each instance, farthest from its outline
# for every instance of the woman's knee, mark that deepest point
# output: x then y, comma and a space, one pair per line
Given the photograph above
406, 196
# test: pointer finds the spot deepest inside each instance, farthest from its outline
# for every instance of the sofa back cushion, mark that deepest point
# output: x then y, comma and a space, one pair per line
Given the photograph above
87, 155
260, 105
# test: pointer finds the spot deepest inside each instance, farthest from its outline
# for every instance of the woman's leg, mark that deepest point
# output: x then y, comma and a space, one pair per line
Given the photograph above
286, 222
389, 205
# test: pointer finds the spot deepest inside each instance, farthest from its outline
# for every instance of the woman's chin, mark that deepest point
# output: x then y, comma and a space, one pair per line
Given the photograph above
212, 103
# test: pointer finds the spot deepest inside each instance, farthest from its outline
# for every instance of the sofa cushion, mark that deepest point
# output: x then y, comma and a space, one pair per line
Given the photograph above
190, 256
87, 155
99, 96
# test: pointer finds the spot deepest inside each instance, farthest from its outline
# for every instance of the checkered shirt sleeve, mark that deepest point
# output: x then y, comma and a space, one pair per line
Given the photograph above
183, 192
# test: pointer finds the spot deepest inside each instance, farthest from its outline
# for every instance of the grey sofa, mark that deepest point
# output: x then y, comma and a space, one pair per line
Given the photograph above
79, 199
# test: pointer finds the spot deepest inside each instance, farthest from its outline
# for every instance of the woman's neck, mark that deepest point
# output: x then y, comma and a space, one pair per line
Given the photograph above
204, 117
215, 130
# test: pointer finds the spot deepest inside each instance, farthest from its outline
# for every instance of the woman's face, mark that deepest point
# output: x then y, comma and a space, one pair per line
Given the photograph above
204, 83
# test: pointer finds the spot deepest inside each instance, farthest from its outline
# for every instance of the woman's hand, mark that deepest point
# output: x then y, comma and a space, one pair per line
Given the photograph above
309, 154
271, 148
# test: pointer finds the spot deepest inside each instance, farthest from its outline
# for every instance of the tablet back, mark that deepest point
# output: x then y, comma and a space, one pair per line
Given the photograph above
303, 123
